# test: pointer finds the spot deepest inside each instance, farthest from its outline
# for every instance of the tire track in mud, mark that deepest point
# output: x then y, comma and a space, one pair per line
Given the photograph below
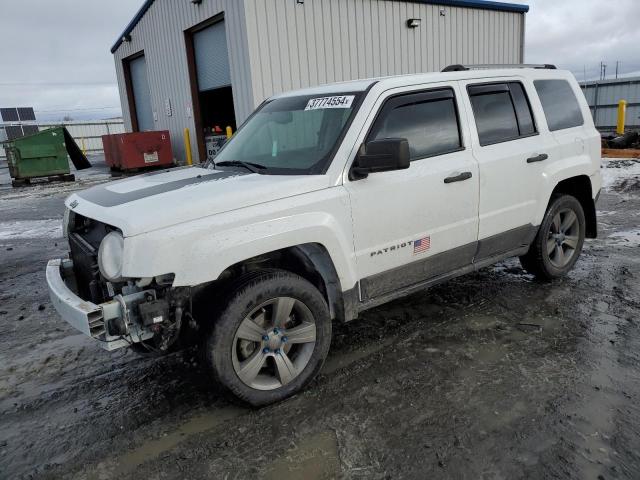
491, 374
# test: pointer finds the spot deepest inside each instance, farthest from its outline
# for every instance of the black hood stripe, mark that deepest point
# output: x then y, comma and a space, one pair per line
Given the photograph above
101, 195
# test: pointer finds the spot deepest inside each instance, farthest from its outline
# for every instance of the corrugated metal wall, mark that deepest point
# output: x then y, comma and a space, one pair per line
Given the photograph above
610, 92
279, 45
160, 33
323, 41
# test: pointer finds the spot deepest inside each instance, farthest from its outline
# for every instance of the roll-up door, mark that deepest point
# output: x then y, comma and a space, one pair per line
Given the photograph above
141, 93
212, 57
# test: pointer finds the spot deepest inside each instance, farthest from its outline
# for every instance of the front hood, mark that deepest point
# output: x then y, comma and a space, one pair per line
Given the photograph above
156, 200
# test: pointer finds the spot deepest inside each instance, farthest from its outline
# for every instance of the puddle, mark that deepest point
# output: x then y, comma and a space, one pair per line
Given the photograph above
315, 459
154, 448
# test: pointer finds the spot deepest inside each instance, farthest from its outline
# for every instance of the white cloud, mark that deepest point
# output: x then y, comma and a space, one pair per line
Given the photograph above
59, 57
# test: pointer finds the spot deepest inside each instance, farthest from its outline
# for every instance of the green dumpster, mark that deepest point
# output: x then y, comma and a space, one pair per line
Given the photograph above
44, 154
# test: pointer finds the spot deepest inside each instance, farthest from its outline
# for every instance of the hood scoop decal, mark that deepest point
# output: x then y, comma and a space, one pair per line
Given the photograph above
101, 195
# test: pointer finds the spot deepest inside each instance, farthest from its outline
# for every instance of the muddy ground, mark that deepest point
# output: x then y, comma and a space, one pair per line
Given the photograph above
491, 376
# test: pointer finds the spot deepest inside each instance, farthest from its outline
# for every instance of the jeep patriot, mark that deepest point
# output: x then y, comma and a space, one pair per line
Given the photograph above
329, 201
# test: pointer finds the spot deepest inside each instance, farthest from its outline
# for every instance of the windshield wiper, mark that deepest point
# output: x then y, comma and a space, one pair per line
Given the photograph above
252, 167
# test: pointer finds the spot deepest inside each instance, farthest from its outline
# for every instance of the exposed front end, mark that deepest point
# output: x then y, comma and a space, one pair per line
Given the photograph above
88, 291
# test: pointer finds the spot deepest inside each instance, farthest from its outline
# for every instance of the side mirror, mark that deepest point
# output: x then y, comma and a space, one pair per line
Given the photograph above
381, 156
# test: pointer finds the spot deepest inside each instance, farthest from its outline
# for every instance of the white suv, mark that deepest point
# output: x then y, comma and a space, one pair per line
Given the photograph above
327, 202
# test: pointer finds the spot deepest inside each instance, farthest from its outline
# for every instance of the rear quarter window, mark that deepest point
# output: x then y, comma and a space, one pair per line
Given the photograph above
559, 103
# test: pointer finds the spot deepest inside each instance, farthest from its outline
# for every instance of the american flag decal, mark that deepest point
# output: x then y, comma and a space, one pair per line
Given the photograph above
422, 245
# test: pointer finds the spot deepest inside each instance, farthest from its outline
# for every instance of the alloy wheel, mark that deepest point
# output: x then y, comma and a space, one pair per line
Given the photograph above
563, 238
274, 343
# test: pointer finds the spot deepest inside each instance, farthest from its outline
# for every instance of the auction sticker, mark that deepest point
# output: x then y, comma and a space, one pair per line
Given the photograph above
340, 101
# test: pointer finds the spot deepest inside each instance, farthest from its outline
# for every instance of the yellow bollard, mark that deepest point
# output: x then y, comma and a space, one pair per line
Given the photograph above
229, 133
187, 146
622, 114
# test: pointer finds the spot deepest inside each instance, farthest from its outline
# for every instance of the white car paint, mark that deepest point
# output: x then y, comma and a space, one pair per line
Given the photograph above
199, 231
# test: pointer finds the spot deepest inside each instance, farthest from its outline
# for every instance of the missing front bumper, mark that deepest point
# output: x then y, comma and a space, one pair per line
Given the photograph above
92, 319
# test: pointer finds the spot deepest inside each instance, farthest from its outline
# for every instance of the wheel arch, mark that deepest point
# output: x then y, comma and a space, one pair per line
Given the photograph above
311, 261
580, 188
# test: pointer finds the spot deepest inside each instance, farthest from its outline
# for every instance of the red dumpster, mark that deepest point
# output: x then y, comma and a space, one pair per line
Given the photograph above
138, 150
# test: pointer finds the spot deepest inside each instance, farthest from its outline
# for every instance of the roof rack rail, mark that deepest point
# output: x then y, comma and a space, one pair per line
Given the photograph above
461, 68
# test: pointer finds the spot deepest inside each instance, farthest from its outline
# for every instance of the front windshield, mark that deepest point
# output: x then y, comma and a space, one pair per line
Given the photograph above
292, 135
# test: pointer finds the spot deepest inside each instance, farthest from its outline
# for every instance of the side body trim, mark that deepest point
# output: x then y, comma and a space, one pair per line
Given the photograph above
402, 281
415, 272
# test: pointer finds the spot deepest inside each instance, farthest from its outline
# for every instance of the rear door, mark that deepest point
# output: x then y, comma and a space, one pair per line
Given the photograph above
510, 151
414, 224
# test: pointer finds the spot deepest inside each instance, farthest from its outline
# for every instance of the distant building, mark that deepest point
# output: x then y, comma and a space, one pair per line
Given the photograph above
603, 97
203, 64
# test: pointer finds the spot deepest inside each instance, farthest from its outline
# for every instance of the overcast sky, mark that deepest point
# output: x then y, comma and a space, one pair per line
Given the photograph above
55, 55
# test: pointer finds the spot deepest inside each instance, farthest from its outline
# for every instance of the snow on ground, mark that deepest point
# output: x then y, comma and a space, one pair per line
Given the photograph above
628, 238
25, 229
613, 171
47, 189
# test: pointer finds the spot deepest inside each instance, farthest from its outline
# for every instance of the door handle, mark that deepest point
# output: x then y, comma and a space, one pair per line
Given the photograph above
458, 178
538, 158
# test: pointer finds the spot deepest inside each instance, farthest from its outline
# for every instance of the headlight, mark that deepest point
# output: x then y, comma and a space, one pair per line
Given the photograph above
110, 256
65, 223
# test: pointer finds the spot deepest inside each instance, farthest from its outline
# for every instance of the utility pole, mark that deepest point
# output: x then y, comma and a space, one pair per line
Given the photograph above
617, 64
603, 68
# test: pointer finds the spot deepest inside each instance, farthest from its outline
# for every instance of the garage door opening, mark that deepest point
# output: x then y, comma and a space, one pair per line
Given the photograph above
217, 113
211, 87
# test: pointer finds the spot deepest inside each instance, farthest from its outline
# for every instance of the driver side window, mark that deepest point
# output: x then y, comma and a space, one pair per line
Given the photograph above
428, 120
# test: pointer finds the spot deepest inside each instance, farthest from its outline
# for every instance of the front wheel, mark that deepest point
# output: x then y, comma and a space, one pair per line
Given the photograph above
559, 241
271, 338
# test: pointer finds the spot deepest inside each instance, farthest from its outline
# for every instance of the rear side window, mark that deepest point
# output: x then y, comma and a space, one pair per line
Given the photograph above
428, 120
559, 104
502, 112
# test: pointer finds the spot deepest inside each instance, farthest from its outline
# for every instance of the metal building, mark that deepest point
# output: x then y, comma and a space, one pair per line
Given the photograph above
603, 97
204, 64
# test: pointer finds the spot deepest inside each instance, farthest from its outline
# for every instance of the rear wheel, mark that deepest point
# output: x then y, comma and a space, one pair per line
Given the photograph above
271, 338
559, 241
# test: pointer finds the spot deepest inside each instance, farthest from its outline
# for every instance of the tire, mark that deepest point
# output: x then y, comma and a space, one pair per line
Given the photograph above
559, 241
270, 339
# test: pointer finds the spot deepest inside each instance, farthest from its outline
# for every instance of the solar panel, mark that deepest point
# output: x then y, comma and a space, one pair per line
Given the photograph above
9, 114
30, 129
14, 132
26, 114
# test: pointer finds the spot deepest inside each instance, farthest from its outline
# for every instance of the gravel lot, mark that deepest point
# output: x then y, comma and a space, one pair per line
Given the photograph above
492, 376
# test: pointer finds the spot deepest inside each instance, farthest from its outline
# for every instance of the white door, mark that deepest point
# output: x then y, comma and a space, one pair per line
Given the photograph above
511, 155
414, 224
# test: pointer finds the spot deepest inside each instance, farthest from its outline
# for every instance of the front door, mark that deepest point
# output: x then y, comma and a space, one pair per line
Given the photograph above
415, 224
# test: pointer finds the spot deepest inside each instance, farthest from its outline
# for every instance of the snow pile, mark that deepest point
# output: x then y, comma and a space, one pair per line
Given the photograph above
25, 229
616, 171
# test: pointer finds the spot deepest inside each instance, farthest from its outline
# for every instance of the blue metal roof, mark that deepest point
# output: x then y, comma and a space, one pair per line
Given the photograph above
483, 4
